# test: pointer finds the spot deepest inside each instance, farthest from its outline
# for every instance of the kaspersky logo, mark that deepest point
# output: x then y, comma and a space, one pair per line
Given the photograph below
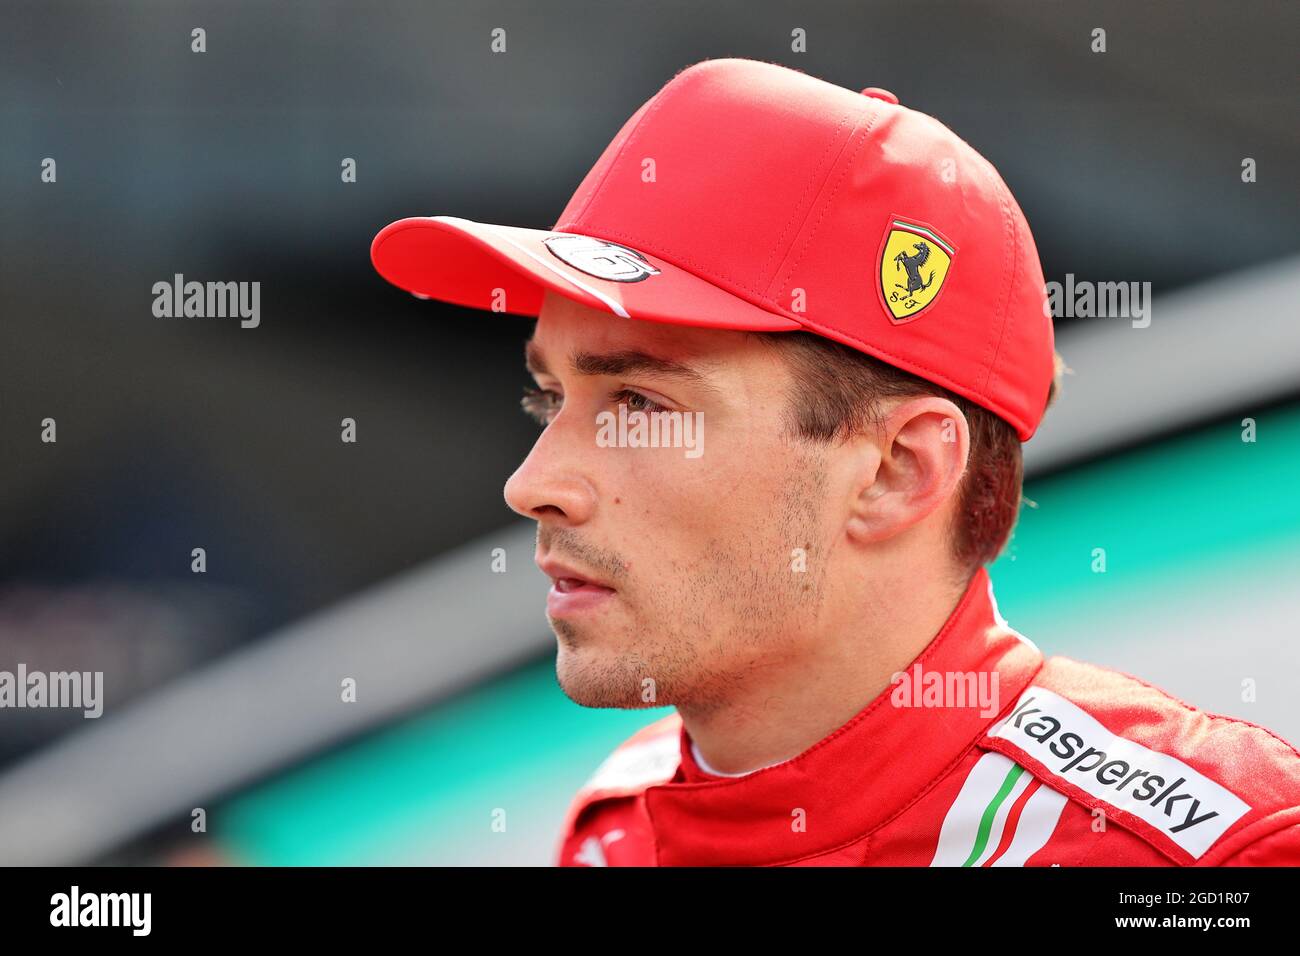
1170, 795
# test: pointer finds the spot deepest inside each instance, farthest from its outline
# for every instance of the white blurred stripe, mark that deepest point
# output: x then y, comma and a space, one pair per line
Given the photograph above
436, 629
1221, 345
1037, 821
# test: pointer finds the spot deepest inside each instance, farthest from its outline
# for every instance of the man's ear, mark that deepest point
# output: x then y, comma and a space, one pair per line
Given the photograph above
923, 442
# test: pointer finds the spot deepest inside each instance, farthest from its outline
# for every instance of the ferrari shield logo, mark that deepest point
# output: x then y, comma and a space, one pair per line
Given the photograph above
914, 262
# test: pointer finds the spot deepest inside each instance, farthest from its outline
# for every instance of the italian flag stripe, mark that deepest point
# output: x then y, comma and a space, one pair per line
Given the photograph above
986, 821
922, 231
1013, 820
1001, 816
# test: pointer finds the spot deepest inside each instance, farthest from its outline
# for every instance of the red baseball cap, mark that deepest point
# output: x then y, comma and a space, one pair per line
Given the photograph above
747, 195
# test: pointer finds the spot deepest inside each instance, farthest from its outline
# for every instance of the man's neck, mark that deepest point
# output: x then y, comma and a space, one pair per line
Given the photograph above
777, 715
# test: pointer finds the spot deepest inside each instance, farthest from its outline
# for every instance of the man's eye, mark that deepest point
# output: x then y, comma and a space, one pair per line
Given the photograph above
636, 401
540, 404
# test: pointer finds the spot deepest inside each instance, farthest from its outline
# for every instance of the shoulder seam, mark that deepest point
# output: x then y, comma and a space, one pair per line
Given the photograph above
1180, 702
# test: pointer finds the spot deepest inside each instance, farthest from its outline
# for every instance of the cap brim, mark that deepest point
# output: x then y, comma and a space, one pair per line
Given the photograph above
507, 269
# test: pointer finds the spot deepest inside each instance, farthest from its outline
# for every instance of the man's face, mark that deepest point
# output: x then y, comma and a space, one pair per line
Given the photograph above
675, 576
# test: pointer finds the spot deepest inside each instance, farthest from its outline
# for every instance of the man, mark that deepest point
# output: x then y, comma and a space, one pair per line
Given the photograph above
789, 340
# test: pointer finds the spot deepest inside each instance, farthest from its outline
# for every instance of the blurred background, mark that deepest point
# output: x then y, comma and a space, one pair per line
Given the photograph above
373, 560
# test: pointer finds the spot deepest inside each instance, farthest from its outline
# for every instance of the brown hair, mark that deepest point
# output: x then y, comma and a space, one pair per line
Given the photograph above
836, 395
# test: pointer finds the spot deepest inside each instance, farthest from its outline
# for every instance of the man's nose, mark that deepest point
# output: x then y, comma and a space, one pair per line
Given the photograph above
551, 483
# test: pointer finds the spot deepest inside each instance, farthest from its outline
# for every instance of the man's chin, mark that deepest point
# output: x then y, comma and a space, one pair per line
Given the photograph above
589, 678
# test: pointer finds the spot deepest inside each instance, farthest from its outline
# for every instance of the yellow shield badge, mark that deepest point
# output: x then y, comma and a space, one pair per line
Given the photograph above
914, 262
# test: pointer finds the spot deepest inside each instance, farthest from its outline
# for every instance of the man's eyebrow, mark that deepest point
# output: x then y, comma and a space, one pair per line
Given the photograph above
624, 362
533, 360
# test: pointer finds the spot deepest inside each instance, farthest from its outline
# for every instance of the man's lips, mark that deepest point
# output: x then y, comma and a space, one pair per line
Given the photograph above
572, 590
574, 577
573, 585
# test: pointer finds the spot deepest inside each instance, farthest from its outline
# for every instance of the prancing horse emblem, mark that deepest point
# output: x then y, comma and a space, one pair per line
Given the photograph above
914, 262
913, 266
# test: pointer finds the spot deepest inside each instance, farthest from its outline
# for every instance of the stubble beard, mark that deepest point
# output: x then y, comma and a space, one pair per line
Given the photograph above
694, 640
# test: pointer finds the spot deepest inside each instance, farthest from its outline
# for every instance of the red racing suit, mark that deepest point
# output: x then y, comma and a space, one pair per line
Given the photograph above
982, 753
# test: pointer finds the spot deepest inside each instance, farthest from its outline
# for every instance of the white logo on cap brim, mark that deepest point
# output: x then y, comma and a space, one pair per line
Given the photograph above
600, 258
